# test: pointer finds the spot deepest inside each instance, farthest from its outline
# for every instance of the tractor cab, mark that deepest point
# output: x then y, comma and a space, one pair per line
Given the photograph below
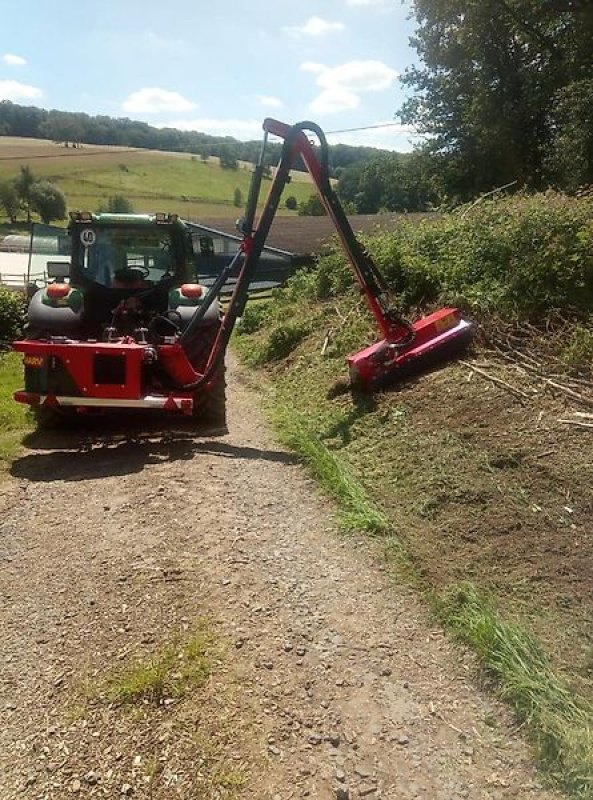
127, 253
126, 272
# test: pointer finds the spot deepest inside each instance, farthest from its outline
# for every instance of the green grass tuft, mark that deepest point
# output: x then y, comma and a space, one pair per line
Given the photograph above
170, 673
559, 722
15, 418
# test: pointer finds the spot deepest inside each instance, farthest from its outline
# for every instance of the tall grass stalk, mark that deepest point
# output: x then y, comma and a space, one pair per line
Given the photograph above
559, 722
357, 511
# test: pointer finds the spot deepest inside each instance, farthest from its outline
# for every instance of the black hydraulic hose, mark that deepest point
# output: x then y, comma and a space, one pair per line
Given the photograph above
254, 190
211, 295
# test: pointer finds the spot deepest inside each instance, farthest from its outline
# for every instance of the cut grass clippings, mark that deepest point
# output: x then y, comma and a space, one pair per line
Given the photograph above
559, 722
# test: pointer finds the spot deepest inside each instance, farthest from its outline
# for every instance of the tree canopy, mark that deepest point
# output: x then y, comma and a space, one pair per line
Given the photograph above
505, 90
48, 201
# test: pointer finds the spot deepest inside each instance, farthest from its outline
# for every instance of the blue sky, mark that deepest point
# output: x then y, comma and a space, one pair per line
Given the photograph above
217, 66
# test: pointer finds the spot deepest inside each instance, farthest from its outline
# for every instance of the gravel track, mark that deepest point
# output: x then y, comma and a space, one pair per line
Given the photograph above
333, 681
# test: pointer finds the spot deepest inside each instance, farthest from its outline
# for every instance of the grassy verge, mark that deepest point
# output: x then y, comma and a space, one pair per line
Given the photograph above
488, 497
15, 420
357, 511
559, 722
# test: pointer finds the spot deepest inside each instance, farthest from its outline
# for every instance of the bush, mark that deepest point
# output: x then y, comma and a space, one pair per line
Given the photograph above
48, 201
253, 318
117, 204
579, 350
521, 257
11, 315
313, 207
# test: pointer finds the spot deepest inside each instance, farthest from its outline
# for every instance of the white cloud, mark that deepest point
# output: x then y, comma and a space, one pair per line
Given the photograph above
358, 76
153, 100
332, 100
342, 85
14, 60
14, 90
389, 136
313, 66
315, 26
244, 129
269, 102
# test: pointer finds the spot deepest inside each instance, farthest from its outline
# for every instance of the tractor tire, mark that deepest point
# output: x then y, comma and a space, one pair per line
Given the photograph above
210, 406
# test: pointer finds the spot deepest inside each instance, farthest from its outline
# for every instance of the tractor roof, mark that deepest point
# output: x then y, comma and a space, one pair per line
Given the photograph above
110, 220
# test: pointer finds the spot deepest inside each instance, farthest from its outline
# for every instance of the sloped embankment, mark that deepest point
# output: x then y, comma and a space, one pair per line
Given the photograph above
483, 467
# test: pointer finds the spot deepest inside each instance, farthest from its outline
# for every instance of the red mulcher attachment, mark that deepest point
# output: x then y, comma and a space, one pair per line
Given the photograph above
406, 347
435, 338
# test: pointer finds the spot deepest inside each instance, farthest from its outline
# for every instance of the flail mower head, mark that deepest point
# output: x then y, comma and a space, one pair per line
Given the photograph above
430, 341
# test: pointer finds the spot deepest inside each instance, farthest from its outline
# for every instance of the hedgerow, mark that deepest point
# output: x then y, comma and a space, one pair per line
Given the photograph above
522, 257
11, 313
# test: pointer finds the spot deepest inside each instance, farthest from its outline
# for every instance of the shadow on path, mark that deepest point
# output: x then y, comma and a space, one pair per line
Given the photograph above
75, 454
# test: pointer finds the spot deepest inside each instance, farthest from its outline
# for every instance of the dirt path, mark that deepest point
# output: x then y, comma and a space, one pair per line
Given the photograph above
333, 683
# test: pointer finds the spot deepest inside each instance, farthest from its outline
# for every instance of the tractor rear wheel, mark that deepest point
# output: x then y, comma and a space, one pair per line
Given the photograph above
210, 405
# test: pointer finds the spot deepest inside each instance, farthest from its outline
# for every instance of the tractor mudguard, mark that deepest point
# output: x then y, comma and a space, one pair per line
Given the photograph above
60, 320
186, 313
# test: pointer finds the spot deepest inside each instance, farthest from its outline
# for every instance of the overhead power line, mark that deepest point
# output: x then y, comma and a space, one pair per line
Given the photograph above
366, 128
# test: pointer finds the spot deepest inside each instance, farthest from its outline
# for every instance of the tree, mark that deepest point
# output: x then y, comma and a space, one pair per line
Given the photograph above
9, 200
313, 207
491, 78
569, 159
118, 204
291, 203
48, 201
23, 185
228, 157
238, 198
393, 182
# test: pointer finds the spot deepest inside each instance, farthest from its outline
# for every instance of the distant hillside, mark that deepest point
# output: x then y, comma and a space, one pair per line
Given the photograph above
150, 180
76, 127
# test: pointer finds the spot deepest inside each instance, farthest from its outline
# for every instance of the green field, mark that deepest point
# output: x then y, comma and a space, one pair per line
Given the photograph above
151, 181
15, 419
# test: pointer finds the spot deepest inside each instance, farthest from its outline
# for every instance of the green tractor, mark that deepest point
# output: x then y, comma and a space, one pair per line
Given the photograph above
126, 324
103, 333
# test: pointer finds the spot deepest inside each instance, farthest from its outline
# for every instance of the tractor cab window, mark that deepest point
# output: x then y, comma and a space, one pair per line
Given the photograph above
120, 258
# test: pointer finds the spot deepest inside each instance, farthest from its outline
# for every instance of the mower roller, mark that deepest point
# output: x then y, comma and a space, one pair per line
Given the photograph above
126, 324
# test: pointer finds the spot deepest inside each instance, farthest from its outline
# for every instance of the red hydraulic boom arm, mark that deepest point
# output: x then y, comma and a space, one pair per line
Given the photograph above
404, 345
